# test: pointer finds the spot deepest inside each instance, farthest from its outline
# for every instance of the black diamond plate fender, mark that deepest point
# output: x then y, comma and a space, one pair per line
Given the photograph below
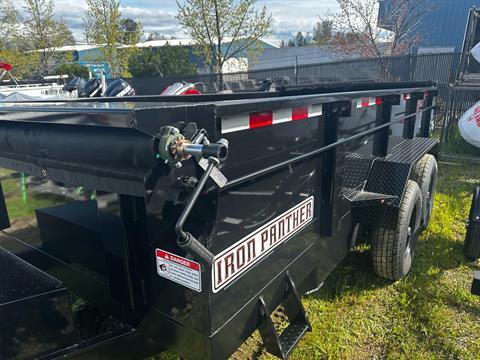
378, 201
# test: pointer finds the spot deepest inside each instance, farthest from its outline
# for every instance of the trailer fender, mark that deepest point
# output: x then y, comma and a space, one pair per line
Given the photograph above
386, 183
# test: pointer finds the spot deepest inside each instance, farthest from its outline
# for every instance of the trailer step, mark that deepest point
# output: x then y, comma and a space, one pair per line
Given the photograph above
360, 198
291, 336
282, 345
476, 283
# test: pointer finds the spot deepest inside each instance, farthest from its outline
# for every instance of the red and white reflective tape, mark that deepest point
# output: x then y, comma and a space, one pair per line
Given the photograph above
268, 118
367, 102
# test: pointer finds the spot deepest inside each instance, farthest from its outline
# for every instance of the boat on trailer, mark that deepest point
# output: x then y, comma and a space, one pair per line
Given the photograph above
15, 89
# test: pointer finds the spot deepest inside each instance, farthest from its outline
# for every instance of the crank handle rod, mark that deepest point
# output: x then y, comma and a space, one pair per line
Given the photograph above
185, 240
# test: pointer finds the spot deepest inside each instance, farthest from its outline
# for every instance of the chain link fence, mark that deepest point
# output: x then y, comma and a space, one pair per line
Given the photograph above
463, 94
441, 68
461, 98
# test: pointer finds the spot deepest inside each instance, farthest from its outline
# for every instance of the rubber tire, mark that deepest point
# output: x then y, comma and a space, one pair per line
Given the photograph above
425, 174
389, 247
471, 246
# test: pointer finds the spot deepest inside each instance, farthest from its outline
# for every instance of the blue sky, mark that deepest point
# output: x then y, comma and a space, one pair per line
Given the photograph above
289, 16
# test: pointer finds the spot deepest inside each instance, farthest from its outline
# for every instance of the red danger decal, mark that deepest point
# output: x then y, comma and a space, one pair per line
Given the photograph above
178, 269
238, 258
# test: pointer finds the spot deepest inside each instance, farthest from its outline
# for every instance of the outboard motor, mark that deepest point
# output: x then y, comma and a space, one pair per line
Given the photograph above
119, 88
92, 88
75, 84
267, 86
181, 88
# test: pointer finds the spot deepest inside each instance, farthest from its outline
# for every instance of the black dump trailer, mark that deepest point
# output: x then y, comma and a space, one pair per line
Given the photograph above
130, 226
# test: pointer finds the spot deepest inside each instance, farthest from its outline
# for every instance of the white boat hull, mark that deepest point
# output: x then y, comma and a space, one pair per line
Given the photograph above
40, 91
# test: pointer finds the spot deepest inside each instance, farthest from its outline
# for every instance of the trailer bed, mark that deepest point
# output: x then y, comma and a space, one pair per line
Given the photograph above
307, 171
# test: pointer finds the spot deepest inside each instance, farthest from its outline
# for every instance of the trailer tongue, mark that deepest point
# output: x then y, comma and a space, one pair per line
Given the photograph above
161, 222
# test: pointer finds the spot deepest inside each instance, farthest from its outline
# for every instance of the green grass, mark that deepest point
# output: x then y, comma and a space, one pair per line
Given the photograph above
428, 315
456, 145
17, 207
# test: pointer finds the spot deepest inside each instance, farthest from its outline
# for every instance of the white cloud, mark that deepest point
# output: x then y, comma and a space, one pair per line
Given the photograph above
154, 20
289, 16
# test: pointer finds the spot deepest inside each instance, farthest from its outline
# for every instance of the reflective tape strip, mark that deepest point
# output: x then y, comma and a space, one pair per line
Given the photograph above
260, 119
406, 97
255, 120
282, 115
236, 123
315, 110
367, 102
300, 113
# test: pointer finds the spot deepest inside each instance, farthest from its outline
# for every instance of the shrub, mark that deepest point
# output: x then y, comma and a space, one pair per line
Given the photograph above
72, 69
164, 61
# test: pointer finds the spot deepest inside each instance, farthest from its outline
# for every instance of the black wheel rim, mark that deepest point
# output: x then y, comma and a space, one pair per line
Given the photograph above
411, 239
408, 247
430, 200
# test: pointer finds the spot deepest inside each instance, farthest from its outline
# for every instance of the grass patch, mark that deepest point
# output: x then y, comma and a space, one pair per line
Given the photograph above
456, 145
18, 207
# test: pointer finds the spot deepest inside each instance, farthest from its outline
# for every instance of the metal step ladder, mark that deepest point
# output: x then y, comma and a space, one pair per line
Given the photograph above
281, 345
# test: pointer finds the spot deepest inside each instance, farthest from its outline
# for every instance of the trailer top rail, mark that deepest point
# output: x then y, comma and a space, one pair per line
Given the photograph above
68, 111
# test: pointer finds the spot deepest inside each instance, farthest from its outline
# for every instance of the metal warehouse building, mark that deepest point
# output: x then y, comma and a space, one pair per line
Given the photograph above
442, 25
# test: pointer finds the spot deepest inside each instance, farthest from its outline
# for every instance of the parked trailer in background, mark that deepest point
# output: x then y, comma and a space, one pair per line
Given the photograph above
202, 214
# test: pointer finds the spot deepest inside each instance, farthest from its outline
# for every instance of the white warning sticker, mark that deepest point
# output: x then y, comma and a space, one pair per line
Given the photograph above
178, 269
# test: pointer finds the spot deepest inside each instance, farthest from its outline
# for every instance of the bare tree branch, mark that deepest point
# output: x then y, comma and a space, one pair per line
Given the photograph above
357, 32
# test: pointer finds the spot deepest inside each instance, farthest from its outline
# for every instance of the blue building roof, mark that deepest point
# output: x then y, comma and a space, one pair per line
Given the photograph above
443, 23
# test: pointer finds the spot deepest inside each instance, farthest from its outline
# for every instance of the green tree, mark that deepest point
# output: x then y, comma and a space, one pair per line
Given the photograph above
158, 36
73, 69
9, 22
131, 31
300, 40
164, 61
323, 32
224, 29
43, 34
68, 38
24, 64
131, 34
297, 41
105, 27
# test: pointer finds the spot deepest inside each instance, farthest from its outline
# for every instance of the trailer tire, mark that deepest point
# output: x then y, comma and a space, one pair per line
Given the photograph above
425, 174
393, 249
471, 246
